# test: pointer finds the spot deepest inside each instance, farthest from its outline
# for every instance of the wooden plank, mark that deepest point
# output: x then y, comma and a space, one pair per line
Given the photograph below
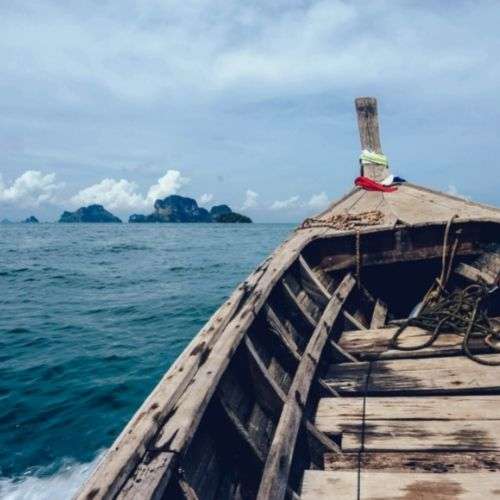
276, 470
414, 461
375, 343
299, 305
346, 261
314, 278
284, 336
379, 315
355, 322
424, 435
325, 293
139, 485
335, 414
452, 375
375, 485
475, 275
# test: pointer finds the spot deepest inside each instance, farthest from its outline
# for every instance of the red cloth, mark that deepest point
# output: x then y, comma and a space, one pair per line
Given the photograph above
371, 185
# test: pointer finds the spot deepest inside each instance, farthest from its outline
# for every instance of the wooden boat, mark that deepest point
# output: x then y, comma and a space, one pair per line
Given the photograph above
295, 387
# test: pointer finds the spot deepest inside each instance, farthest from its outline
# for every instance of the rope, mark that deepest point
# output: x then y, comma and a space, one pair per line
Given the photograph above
433, 292
463, 312
345, 222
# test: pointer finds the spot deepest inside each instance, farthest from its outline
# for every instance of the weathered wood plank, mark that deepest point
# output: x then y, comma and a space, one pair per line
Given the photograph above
323, 485
322, 290
145, 482
284, 336
334, 414
375, 343
354, 321
452, 375
475, 275
299, 305
414, 461
314, 278
276, 470
424, 435
346, 261
379, 315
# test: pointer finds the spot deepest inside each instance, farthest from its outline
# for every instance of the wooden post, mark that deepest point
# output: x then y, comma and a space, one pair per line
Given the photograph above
366, 109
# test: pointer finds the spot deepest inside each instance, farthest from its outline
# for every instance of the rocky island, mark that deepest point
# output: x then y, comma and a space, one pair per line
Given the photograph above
92, 213
177, 208
31, 220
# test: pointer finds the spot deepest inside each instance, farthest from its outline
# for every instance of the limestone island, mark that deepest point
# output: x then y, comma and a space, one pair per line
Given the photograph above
92, 213
177, 208
31, 220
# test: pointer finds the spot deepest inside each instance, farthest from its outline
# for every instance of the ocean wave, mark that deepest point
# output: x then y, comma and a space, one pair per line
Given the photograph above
35, 485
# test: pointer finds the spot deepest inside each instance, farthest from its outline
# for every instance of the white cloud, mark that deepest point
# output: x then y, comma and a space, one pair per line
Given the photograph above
251, 200
122, 194
169, 184
318, 201
291, 202
205, 198
112, 194
30, 189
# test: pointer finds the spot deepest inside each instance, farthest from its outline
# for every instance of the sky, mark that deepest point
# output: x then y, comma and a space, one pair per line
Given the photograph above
248, 103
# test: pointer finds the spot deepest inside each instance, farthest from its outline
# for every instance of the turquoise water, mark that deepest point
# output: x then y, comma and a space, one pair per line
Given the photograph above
91, 317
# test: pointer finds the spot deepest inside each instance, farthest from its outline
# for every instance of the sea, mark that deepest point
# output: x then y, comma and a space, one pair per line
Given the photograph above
91, 316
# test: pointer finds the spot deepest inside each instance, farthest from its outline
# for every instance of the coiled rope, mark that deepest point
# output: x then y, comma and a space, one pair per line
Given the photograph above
463, 312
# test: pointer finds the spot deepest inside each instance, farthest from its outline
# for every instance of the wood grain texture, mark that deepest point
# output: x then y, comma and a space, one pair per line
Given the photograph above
474, 275
379, 315
333, 414
424, 435
323, 291
450, 375
414, 461
375, 343
374, 485
276, 470
369, 135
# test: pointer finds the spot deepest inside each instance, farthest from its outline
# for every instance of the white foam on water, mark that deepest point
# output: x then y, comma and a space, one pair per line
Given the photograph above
60, 486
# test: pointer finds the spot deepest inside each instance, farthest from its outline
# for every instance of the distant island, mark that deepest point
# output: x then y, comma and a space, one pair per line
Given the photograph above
31, 220
92, 213
173, 208
177, 208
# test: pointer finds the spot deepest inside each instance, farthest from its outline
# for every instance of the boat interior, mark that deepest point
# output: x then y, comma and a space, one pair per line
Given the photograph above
364, 406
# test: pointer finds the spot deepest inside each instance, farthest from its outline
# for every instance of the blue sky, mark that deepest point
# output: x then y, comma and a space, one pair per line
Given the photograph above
245, 103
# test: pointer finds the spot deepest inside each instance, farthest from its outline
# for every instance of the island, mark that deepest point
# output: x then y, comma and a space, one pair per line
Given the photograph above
92, 213
177, 208
31, 220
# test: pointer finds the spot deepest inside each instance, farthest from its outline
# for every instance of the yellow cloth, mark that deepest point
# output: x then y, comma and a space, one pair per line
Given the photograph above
371, 157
